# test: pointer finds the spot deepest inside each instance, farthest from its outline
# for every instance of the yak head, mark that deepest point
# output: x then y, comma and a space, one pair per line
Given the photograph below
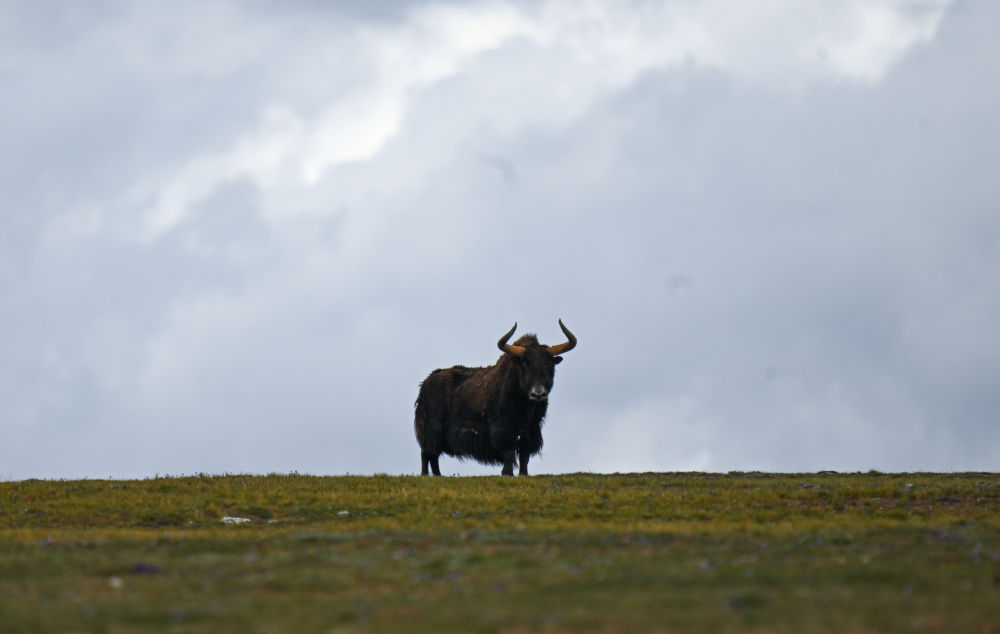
535, 363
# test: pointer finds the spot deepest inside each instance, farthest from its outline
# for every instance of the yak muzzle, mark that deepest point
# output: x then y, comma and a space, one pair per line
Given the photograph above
538, 393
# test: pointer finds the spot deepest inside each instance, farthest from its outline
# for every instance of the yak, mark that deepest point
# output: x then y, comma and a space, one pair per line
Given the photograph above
493, 414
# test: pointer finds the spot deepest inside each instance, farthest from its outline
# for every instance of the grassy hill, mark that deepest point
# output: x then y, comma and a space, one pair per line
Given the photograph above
672, 552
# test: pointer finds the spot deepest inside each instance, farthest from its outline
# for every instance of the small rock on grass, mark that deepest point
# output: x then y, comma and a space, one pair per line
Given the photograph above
229, 519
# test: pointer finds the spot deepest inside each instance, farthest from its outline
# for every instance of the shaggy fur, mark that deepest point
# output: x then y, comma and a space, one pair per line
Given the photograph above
486, 414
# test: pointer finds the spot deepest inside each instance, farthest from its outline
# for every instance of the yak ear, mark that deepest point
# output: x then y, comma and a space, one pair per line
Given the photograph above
557, 360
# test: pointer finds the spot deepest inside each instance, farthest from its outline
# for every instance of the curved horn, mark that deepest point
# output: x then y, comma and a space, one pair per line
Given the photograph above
517, 351
563, 347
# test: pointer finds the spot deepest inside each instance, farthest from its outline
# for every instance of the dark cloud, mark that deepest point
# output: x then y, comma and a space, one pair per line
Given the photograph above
503, 165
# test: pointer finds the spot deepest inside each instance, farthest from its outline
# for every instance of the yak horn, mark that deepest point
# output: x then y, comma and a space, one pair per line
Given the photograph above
563, 347
517, 351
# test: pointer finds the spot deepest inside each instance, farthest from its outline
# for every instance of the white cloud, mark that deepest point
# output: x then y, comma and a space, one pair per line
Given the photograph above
292, 149
655, 434
774, 40
877, 35
261, 157
593, 49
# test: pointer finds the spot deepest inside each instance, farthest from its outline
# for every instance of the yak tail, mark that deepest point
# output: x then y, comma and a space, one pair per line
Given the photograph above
420, 422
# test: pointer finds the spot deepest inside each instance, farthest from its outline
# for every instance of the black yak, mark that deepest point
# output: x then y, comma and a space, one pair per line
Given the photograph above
493, 414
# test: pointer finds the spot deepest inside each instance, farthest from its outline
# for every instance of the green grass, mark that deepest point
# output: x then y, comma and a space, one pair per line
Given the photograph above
569, 553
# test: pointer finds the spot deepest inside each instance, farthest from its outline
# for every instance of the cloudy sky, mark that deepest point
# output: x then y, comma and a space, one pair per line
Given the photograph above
235, 236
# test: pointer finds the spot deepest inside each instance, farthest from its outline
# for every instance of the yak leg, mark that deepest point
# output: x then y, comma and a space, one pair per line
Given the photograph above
528, 444
523, 462
508, 463
431, 459
504, 442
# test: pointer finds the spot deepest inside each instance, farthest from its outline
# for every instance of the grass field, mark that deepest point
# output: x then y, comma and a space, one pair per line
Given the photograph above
686, 552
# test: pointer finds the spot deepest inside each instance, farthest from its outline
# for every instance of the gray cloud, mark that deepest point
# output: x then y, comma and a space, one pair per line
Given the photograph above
503, 165
214, 267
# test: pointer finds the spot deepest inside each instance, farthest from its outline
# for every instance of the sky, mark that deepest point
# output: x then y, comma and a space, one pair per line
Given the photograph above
235, 236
